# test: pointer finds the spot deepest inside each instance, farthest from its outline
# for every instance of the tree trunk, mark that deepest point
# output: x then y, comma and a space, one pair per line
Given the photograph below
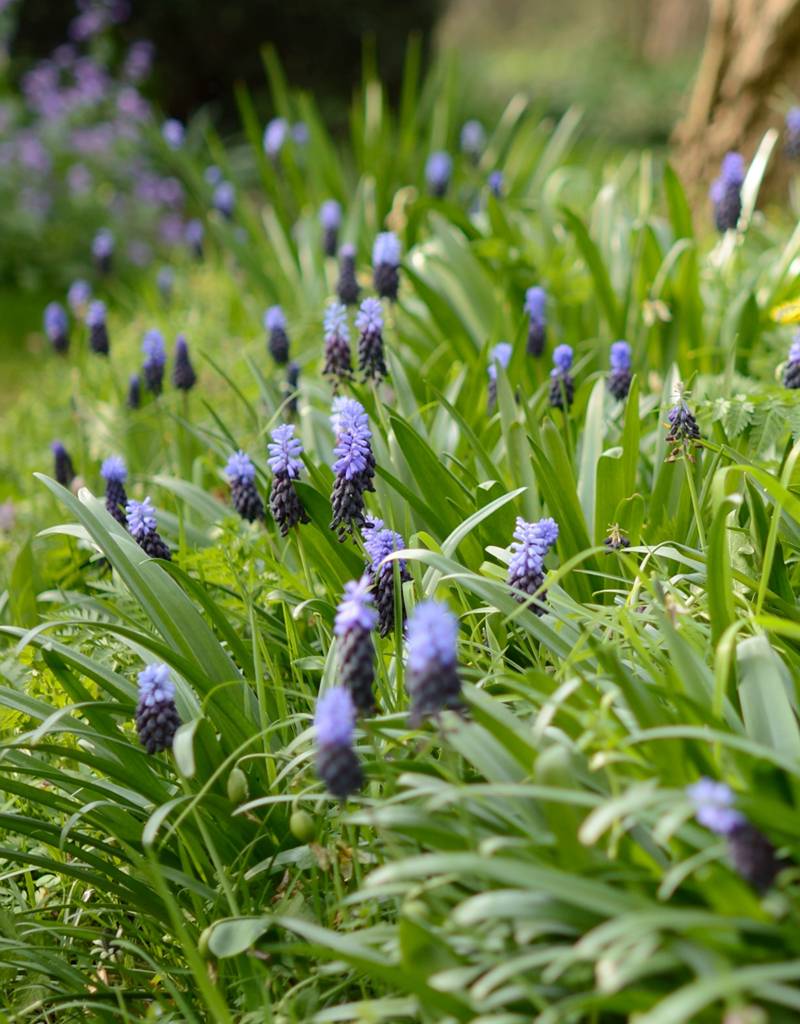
752, 49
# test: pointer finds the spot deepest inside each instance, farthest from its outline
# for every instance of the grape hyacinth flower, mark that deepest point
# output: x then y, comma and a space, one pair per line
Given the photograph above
334, 724
63, 470
173, 133
535, 302
78, 296
224, 199
385, 264
103, 250
284, 460
212, 175
562, 387
438, 171
499, 356
726, 190
354, 467
369, 322
683, 428
473, 139
291, 390
752, 854
241, 474
56, 326
432, 676
155, 358
791, 371
330, 218
183, 376
792, 146
143, 527
165, 280
193, 235
275, 135
496, 183
157, 717
278, 339
615, 541
337, 344
355, 620
134, 391
618, 381
98, 332
347, 287
115, 473
379, 543
531, 543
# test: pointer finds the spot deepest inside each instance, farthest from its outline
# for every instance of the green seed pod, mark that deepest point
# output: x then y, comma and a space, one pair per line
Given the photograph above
301, 825
238, 790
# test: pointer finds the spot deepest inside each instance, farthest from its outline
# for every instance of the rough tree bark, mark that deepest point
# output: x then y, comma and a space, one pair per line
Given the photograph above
752, 52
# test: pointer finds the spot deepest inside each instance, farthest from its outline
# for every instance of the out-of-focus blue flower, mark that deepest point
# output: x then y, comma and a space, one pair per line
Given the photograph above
496, 183
355, 610
791, 372
193, 235
432, 636
165, 279
78, 296
473, 138
139, 60
725, 192
335, 321
499, 355
212, 175
438, 170
173, 132
141, 518
714, 805
285, 450
56, 325
330, 215
153, 347
275, 135
96, 315
386, 249
370, 316
334, 719
114, 469
274, 319
562, 360
225, 198
240, 467
536, 302
620, 356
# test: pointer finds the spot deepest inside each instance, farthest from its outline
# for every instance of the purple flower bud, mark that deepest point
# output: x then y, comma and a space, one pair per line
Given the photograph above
562, 387
496, 183
114, 470
725, 192
241, 474
239, 467
385, 264
355, 620
334, 720
134, 391
355, 610
115, 473
284, 461
173, 132
330, 215
165, 280
278, 340
155, 685
713, 803
157, 717
292, 383
531, 543
225, 199
499, 355
379, 543
212, 175
183, 376
473, 139
78, 296
371, 359
143, 527
63, 470
139, 60
562, 359
354, 466
98, 331
432, 672
438, 170
347, 287
56, 326
535, 303
275, 135
683, 430
155, 359
619, 377
103, 250
285, 450
337, 343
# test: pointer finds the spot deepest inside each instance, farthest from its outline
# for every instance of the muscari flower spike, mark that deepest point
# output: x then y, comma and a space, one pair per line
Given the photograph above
347, 287
275, 135
531, 543
379, 543
98, 331
792, 145
56, 327
224, 199
103, 250
725, 192
500, 355
496, 183
438, 171
173, 132
143, 527
284, 460
277, 338
334, 725
752, 854
330, 218
385, 265
369, 322
292, 385
115, 473
155, 358
157, 718
616, 541
63, 470
193, 235
683, 429
535, 303
353, 625
183, 376
241, 474
562, 387
337, 344
473, 139
618, 380
78, 296
354, 467
134, 399
432, 676
791, 371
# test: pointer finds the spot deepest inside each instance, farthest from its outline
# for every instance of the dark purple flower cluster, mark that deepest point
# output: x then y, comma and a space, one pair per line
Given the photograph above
284, 460
354, 467
562, 387
115, 473
330, 219
619, 376
531, 543
337, 344
98, 331
183, 376
432, 676
155, 359
241, 474
347, 287
277, 338
63, 470
334, 724
535, 304
386, 265
143, 527
726, 192
56, 327
752, 854
355, 620
379, 543
616, 540
683, 430
157, 718
369, 322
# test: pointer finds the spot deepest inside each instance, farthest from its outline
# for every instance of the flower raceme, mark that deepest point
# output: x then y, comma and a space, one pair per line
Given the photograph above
143, 527
115, 473
438, 171
618, 380
277, 337
355, 619
379, 543
63, 470
562, 386
385, 265
157, 717
337, 344
98, 331
531, 543
726, 192
535, 307
330, 219
56, 327
155, 358
500, 356
791, 370
241, 474
432, 676
184, 377
334, 725
354, 466
369, 322
284, 460
347, 287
